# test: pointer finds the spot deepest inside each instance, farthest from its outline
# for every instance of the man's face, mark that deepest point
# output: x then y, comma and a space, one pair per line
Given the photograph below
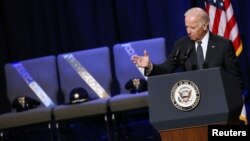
194, 27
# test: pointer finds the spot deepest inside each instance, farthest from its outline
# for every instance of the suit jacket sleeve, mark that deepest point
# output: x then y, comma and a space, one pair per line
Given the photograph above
231, 63
170, 65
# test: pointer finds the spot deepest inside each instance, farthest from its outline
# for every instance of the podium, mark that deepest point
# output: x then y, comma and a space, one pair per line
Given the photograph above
182, 105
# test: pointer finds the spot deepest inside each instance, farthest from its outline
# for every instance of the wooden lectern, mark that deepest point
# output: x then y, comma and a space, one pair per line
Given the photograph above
186, 134
217, 101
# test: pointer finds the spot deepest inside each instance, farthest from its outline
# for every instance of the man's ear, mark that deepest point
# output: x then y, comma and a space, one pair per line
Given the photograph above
205, 26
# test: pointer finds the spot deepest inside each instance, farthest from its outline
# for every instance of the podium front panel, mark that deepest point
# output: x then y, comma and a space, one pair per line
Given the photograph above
212, 106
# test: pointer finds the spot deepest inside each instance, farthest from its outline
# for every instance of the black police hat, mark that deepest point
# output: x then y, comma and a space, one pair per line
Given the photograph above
136, 85
23, 103
79, 95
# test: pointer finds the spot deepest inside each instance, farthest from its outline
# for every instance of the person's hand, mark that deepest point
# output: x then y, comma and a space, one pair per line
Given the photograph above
142, 61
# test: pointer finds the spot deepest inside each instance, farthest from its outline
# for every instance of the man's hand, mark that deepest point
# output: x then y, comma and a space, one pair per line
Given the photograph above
142, 61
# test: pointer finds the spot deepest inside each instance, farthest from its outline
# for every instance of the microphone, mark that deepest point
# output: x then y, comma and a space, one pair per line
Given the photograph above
177, 55
186, 55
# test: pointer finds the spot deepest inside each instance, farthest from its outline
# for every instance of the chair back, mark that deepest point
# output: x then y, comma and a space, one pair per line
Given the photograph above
95, 61
124, 67
42, 70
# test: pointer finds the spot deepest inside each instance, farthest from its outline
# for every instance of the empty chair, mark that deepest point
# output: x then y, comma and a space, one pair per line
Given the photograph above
126, 71
97, 63
23, 81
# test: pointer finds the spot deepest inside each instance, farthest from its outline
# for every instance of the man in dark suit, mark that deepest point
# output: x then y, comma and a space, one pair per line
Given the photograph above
215, 51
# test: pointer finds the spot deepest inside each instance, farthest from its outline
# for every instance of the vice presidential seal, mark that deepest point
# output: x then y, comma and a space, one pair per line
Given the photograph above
185, 95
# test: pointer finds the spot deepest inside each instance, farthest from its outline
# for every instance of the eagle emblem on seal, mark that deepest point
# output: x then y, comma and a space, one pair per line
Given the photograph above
185, 95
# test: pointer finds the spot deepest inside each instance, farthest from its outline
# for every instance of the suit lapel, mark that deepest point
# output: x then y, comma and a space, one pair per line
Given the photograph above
193, 56
210, 48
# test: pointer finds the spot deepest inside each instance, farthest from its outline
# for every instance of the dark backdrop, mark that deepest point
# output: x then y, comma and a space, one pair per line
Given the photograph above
35, 28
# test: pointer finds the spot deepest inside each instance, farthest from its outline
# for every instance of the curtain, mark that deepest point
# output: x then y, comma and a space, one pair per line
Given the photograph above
35, 28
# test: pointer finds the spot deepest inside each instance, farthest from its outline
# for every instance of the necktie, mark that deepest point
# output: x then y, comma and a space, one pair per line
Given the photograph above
200, 58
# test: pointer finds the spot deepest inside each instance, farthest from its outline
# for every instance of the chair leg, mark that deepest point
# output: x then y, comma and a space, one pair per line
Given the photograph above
120, 122
4, 136
63, 132
115, 130
106, 119
58, 132
52, 131
1, 136
119, 132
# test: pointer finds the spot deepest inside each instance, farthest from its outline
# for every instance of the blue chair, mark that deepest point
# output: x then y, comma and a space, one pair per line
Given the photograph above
97, 63
125, 70
43, 71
